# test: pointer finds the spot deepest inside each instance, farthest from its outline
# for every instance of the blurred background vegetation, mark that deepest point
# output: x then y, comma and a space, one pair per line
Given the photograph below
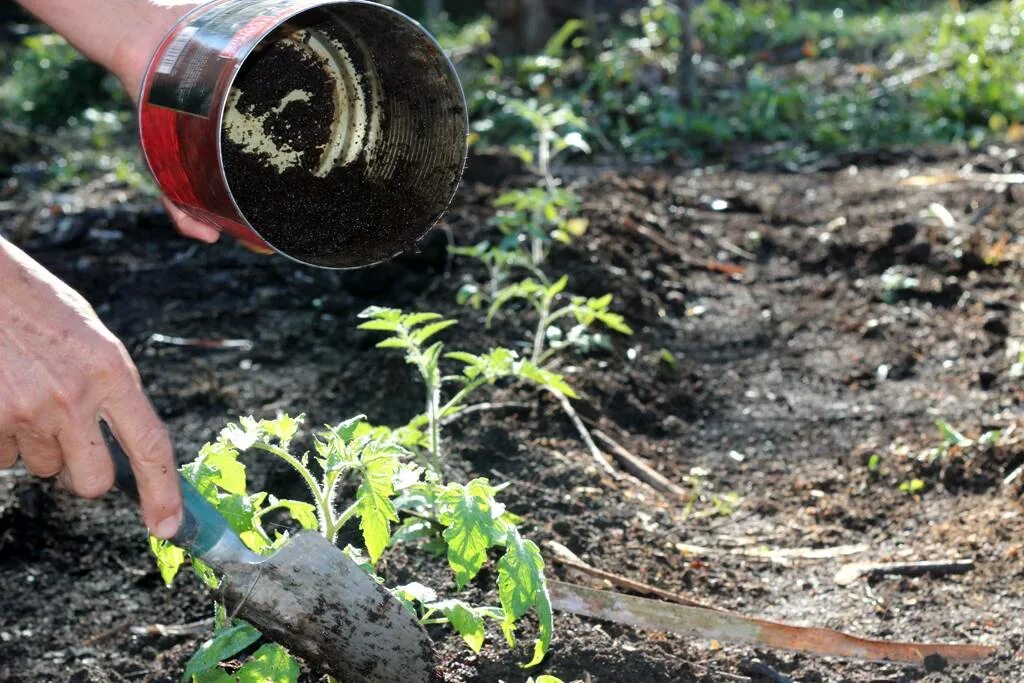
748, 81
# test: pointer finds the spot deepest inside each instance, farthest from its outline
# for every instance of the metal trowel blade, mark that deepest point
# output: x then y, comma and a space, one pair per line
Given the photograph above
313, 599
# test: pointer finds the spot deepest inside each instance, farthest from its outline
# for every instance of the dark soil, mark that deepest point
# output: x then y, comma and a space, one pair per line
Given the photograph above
786, 380
383, 202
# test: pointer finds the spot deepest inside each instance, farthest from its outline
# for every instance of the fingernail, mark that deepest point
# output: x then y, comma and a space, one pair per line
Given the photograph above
167, 527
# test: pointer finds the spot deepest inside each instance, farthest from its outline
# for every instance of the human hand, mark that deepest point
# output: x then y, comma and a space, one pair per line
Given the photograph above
61, 371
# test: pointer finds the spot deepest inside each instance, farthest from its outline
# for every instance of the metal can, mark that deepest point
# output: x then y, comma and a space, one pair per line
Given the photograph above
331, 132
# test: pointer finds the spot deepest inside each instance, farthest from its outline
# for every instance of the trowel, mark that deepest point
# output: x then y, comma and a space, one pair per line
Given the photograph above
308, 596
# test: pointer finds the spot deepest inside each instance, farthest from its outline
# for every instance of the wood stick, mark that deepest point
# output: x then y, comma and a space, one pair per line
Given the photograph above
564, 556
849, 573
483, 407
659, 616
585, 435
641, 470
195, 628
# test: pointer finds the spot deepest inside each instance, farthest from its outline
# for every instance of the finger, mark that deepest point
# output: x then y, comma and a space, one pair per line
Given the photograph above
90, 471
8, 452
189, 226
40, 453
146, 443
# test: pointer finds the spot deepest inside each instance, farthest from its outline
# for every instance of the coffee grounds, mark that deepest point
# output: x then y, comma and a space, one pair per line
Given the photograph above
347, 218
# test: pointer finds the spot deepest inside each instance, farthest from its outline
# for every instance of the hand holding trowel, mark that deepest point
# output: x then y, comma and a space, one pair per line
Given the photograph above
308, 596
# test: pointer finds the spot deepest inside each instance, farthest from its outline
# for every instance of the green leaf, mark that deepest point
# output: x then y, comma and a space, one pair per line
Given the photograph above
521, 586
205, 574
393, 343
283, 428
415, 592
556, 44
241, 436
269, 664
374, 506
520, 575
302, 512
380, 326
545, 678
465, 621
221, 459
169, 558
545, 378
222, 646
546, 627
474, 524
424, 333
951, 436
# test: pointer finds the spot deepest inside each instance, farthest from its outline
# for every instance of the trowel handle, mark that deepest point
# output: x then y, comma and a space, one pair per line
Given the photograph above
201, 525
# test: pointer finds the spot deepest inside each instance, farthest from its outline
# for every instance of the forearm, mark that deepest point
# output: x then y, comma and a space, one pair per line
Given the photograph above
120, 35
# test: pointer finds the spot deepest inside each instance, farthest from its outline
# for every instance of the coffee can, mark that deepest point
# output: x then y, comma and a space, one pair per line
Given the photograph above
331, 132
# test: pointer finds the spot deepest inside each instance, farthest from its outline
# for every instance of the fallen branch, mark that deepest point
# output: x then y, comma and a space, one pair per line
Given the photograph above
174, 630
585, 435
484, 407
847, 574
781, 556
656, 615
564, 556
639, 469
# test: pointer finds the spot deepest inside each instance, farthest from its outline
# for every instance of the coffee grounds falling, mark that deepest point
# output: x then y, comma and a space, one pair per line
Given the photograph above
347, 218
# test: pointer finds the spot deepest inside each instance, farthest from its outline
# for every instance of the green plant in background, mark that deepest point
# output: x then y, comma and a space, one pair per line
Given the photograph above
552, 304
410, 333
462, 521
47, 82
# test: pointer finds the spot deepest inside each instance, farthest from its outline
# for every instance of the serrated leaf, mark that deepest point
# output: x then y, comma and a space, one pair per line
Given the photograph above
424, 333
414, 319
374, 506
269, 664
218, 464
616, 322
169, 558
283, 428
381, 313
520, 575
380, 325
222, 646
545, 378
464, 620
205, 574
241, 436
416, 592
301, 512
473, 521
545, 626
393, 343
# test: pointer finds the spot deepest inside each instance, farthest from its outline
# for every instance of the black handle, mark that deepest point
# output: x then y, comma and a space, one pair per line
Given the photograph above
201, 525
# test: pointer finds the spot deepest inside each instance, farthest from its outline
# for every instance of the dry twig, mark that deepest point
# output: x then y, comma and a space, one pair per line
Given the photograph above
849, 573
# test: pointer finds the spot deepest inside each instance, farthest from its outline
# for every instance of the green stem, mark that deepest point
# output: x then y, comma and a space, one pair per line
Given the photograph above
320, 498
458, 398
341, 521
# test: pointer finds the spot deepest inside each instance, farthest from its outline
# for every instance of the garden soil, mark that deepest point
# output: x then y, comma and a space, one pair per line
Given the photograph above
776, 380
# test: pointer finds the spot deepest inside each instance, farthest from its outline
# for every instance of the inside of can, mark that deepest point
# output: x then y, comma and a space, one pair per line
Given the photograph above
344, 135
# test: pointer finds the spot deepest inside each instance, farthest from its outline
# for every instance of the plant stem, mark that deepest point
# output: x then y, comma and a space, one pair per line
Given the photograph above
320, 498
341, 521
434, 419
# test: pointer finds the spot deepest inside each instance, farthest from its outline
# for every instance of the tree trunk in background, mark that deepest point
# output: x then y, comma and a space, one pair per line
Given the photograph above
689, 93
433, 8
524, 26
